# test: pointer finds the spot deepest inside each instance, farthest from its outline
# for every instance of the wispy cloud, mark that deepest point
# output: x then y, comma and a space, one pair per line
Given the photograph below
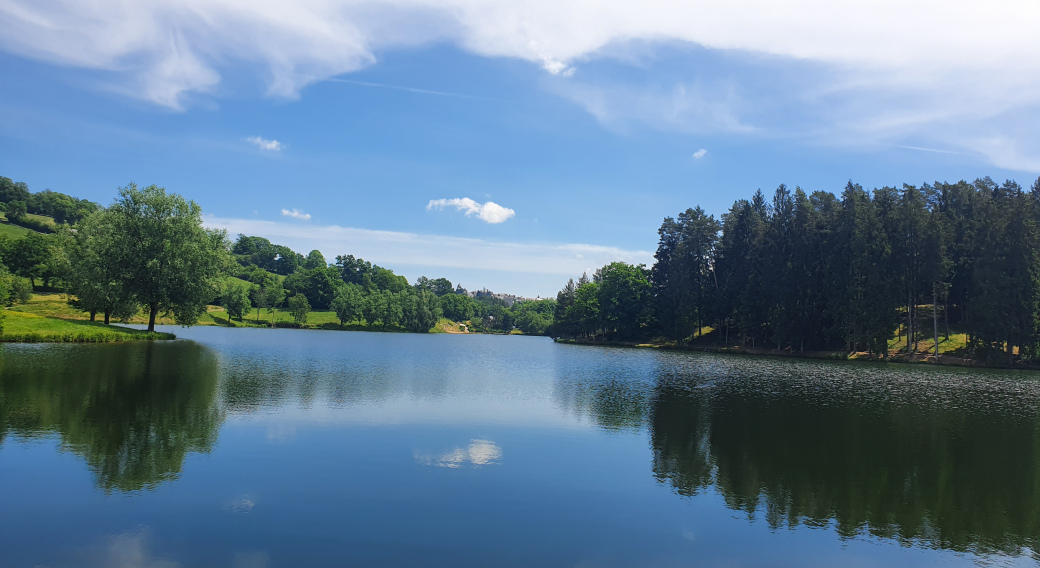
296, 214
699, 154
410, 89
264, 144
490, 211
390, 248
930, 64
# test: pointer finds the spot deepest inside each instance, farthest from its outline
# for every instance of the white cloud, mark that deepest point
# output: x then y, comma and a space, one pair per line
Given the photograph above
490, 211
884, 68
175, 46
555, 67
391, 248
272, 145
296, 214
699, 154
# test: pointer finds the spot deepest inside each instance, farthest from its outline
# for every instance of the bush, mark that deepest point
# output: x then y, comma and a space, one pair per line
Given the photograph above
299, 307
19, 291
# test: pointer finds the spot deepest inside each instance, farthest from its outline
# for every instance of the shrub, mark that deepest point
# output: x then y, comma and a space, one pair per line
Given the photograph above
299, 307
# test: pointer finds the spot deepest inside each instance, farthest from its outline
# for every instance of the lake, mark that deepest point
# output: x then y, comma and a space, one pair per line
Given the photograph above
268, 448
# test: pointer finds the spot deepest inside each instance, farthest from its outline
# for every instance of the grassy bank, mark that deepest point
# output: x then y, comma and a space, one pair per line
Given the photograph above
31, 328
56, 307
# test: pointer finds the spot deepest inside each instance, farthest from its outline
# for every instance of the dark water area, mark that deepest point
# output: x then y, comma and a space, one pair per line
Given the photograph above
266, 448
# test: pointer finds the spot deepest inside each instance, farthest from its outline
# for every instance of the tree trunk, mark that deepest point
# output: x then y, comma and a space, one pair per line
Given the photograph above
108, 315
93, 315
946, 319
153, 310
909, 327
935, 329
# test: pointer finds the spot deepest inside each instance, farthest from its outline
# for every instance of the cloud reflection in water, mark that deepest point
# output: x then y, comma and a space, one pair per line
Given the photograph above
478, 453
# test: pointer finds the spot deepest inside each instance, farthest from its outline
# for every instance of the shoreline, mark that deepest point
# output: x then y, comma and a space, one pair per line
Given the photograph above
902, 358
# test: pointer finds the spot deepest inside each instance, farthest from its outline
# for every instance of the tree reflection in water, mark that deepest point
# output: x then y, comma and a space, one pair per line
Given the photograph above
933, 458
133, 410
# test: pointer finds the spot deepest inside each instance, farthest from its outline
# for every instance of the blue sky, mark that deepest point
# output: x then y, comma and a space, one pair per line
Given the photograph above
583, 124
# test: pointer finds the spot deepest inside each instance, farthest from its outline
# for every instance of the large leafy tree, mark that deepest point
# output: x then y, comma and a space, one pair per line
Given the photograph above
92, 270
165, 259
235, 299
420, 310
624, 293
585, 311
265, 291
349, 303
299, 308
457, 307
31, 256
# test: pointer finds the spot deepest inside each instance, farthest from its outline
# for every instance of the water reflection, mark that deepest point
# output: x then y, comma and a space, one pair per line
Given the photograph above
478, 453
936, 458
941, 459
132, 411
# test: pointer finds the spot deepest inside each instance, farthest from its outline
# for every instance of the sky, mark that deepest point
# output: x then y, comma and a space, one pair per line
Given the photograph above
508, 145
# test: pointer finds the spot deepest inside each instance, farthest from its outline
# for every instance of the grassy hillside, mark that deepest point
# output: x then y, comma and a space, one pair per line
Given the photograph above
12, 231
20, 327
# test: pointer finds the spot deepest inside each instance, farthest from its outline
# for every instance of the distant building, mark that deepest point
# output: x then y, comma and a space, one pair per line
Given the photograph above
508, 299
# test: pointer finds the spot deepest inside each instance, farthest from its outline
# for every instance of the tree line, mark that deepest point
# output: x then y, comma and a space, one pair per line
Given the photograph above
359, 291
825, 272
149, 253
17, 202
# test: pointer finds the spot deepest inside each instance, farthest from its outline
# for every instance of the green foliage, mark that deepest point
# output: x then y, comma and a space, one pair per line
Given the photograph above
349, 303
258, 251
13, 191
299, 307
319, 285
18, 202
457, 307
822, 272
623, 298
20, 291
439, 286
16, 211
682, 274
88, 261
62, 208
235, 299
265, 291
534, 317
419, 310
314, 260
30, 256
166, 260
585, 311
385, 279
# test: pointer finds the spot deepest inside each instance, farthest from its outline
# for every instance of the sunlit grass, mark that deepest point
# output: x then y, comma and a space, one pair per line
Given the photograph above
20, 327
13, 231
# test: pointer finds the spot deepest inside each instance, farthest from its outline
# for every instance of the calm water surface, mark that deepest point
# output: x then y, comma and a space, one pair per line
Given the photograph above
267, 448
